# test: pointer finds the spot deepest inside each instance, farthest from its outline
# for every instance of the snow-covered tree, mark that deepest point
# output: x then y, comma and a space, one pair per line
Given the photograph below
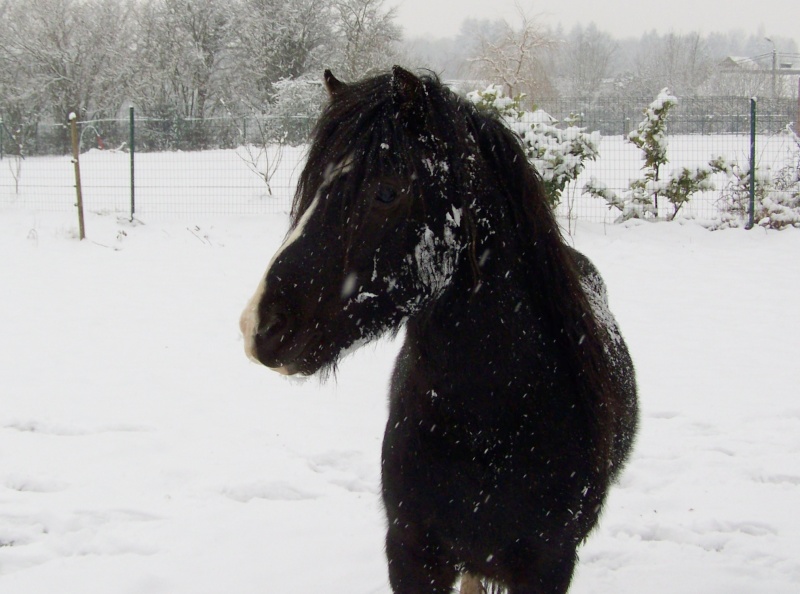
180, 58
680, 62
651, 136
560, 154
367, 35
277, 40
514, 57
297, 104
69, 55
59, 57
585, 57
22, 104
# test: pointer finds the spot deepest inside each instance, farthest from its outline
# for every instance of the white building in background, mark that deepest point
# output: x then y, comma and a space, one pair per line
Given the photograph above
769, 75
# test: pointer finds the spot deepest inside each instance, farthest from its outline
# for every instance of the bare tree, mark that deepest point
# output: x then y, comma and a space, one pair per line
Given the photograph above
586, 56
368, 36
514, 58
680, 62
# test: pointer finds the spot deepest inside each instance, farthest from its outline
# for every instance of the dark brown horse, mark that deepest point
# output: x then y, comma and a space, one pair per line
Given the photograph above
513, 401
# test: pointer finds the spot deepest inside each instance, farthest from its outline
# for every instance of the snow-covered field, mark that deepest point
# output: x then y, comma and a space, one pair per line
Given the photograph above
141, 453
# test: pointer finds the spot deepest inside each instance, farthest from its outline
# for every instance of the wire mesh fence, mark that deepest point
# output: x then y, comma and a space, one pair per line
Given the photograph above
249, 165
177, 183
231, 165
620, 162
691, 116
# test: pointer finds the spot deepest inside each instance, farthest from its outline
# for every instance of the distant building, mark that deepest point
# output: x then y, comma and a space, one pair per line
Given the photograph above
739, 63
768, 75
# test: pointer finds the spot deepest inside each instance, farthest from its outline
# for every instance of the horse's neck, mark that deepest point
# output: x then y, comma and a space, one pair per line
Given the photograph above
488, 323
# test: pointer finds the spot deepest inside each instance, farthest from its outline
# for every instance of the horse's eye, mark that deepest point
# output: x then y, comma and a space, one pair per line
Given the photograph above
386, 195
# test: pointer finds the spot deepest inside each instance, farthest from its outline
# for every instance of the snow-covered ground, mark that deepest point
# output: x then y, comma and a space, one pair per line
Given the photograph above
142, 453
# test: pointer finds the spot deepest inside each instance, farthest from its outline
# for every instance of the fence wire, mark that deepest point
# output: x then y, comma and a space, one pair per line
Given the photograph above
249, 165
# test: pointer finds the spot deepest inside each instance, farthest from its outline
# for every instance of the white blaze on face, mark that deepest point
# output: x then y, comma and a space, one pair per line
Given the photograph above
249, 320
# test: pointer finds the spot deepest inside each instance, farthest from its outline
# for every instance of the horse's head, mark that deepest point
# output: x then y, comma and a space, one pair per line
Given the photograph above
377, 232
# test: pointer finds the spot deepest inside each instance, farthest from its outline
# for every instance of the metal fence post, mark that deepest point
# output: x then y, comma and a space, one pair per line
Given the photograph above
797, 119
75, 154
132, 140
752, 213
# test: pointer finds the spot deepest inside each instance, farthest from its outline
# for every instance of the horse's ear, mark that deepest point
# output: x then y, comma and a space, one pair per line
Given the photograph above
333, 85
406, 87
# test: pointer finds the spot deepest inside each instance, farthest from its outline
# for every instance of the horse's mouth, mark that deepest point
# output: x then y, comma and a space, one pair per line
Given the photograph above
305, 356
285, 369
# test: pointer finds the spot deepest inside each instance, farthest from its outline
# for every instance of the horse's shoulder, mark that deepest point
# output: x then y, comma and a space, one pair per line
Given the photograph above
589, 275
595, 289
583, 264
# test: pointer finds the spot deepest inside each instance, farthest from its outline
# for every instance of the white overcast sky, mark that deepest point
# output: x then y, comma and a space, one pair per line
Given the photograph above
620, 18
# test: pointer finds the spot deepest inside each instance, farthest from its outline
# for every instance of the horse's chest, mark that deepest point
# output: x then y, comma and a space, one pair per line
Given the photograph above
453, 431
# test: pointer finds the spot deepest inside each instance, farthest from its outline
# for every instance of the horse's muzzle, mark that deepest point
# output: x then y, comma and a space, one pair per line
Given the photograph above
274, 339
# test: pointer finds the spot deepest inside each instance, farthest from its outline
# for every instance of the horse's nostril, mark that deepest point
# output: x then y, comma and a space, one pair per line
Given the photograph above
275, 341
273, 325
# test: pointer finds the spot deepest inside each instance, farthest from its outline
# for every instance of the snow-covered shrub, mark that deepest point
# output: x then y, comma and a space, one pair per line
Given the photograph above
734, 200
683, 183
493, 99
777, 194
640, 200
634, 203
558, 154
